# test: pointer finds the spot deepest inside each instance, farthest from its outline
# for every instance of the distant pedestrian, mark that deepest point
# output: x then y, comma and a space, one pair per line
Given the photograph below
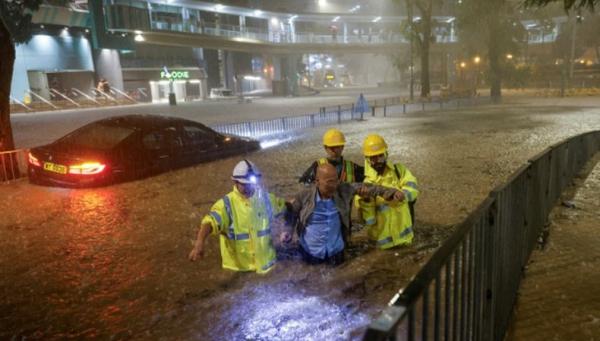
361, 106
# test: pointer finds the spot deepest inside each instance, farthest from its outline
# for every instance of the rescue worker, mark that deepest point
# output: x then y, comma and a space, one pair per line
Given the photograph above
348, 171
242, 219
323, 212
389, 222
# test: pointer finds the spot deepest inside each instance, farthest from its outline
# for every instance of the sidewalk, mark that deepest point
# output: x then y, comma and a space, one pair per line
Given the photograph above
559, 298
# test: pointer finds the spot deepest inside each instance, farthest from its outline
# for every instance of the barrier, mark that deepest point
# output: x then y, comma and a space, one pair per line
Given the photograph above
13, 164
468, 288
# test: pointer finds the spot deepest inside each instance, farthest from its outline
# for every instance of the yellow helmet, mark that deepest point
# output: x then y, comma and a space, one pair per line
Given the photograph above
374, 145
333, 138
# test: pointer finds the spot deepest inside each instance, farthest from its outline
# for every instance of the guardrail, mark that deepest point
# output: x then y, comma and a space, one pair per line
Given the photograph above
468, 288
13, 164
387, 107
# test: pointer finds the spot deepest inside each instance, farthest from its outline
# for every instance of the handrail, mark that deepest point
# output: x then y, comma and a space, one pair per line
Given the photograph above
42, 99
123, 94
476, 273
54, 91
19, 102
105, 95
85, 95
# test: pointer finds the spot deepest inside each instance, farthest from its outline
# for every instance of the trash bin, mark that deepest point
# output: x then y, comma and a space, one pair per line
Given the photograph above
172, 99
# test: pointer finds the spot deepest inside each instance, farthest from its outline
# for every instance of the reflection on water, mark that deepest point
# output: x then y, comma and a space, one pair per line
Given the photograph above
282, 312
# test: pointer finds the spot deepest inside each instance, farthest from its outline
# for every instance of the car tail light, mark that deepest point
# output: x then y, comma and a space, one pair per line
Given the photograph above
87, 168
34, 160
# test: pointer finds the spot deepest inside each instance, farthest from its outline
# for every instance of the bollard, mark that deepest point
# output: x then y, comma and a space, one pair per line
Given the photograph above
404, 108
373, 111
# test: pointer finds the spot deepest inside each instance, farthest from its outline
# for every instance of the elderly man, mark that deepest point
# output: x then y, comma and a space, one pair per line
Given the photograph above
323, 212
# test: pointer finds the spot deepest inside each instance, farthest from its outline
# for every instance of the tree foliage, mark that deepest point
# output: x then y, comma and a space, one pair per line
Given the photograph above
567, 4
16, 16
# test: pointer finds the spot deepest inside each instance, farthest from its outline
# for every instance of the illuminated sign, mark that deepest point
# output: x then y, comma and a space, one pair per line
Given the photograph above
173, 75
329, 77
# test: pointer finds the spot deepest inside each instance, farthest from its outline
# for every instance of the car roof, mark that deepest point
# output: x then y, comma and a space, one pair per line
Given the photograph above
143, 121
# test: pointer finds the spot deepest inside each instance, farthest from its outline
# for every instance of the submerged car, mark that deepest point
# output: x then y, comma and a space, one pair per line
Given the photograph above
130, 147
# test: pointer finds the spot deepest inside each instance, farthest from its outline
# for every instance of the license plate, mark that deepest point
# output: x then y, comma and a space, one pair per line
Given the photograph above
53, 167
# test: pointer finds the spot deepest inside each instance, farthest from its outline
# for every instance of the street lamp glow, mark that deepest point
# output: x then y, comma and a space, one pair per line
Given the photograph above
476, 59
257, 12
336, 19
219, 7
463, 65
509, 56
322, 3
139, 37
274, 21
377, 19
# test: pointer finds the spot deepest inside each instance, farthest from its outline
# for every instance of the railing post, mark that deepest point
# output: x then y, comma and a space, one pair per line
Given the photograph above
384, 107
373, 111
422, 105
312, 120
339, 114
404, 108
352, 112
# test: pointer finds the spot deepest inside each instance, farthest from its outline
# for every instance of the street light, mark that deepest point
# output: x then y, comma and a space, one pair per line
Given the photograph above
476, 60
509, 56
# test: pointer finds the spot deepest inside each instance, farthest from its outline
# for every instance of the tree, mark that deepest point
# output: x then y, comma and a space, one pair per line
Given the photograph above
490, 26
567, 4
15, 28
420, 31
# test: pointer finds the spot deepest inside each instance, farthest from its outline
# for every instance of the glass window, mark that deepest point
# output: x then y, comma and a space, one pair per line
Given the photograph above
98, 136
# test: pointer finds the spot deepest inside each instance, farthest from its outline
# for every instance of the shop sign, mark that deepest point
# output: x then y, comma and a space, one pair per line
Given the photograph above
174, 75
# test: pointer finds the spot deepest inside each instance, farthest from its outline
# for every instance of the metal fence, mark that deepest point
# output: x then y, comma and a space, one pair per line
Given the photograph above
468, 288
386, 107
13, 164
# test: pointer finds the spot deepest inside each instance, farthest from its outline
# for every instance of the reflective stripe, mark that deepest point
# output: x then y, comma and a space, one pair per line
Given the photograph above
269, 264
265, 232
370, 221
406, 232
384, 241
407, 194
382, 208
349, 172
231, 233
216, 216
411, 184
242, 236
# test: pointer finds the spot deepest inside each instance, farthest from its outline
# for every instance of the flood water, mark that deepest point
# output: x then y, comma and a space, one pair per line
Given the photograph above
110, 263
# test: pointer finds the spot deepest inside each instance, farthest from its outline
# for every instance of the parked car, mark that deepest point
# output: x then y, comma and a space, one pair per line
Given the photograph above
221, 93
130, 147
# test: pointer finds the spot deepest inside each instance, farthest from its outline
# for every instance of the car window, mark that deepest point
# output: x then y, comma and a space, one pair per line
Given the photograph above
98, 136
198, 136
155, 140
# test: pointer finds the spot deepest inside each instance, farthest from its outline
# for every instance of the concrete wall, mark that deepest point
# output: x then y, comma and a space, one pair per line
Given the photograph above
50, 53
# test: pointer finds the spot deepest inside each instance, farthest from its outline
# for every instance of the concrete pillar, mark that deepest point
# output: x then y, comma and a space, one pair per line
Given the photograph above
108, 66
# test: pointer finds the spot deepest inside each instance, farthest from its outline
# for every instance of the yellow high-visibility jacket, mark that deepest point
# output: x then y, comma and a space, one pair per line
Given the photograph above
244, 227
389, 222
347, 174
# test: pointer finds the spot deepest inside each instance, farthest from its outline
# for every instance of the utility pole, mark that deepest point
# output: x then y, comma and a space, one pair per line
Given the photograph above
411, 34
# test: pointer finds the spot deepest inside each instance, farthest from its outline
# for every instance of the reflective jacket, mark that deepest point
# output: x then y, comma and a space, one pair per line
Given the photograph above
389, 222
347, 171
244, 227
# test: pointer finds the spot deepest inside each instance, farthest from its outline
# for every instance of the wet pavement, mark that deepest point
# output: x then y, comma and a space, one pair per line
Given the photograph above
110, 263
559, 299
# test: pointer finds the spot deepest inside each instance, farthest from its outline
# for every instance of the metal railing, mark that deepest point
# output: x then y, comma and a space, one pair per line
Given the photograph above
13, 164
387, 107
468, 288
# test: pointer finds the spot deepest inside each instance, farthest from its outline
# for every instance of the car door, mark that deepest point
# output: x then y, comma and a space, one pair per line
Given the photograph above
157, 148
200, 143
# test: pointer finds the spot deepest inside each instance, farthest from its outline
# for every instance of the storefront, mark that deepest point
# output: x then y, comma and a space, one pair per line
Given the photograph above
154, 84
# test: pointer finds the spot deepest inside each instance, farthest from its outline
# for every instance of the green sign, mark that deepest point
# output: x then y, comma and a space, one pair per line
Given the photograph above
174, 75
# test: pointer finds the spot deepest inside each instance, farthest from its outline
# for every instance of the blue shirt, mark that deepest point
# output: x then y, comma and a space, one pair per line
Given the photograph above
322, 237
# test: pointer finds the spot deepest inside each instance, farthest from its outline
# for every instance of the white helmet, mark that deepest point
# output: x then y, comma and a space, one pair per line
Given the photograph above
246, 172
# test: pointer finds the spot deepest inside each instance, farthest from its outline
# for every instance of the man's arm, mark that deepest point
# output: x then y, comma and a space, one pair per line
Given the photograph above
198, 250
370, 190
309, 175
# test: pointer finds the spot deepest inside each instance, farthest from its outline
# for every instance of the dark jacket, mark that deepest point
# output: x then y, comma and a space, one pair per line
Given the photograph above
304, 204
